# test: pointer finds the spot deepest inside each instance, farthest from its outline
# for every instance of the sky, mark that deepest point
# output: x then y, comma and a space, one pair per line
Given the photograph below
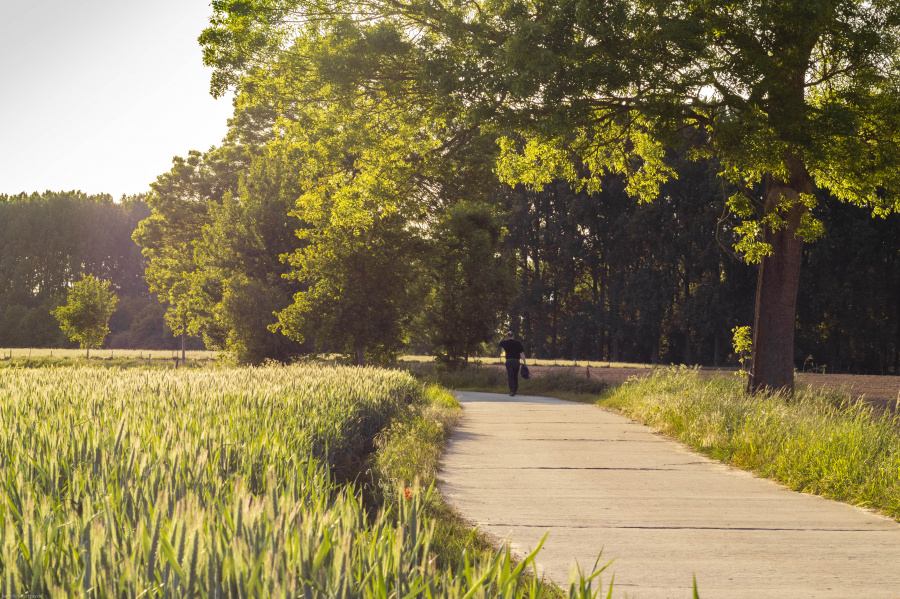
100, 95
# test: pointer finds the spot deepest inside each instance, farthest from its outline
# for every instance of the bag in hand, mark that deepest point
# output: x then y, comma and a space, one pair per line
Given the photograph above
525, 373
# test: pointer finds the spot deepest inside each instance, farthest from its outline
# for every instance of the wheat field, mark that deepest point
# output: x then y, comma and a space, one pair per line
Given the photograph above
225, 482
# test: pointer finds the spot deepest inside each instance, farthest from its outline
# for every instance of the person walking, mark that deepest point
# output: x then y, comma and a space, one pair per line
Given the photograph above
514, 351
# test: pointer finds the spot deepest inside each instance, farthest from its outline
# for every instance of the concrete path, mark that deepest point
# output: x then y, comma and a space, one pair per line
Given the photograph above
520, 467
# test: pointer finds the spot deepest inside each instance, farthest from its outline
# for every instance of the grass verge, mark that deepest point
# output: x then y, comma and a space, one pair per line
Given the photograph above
408, 456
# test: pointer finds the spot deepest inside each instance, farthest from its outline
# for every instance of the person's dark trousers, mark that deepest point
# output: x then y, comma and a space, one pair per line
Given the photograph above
512, 375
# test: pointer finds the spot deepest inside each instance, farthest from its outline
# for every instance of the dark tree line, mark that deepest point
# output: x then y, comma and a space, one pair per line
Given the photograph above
47, 242
848, 316
604, 278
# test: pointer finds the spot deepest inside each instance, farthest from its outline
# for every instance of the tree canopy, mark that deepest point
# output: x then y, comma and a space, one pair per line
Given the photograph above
787, 97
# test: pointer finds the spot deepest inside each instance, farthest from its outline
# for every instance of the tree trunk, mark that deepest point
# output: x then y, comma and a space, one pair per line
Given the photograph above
554, 319
182, 348
835, 351
360, 350
776, 290
87, 355
717, 350
687, 329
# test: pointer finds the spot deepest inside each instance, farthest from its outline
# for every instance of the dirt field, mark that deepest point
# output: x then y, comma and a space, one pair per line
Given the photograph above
881, 391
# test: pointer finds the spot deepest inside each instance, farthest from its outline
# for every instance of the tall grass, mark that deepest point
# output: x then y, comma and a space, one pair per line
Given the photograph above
817, 441
408, 455
410, 448
219, 483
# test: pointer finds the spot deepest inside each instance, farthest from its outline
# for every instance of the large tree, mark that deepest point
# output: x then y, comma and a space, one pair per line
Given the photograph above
787, 95
212, 244
362, 288
358, 254
374, 170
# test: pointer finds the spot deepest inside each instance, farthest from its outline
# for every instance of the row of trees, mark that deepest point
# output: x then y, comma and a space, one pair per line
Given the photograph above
596, 277
579, 275
48, 242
